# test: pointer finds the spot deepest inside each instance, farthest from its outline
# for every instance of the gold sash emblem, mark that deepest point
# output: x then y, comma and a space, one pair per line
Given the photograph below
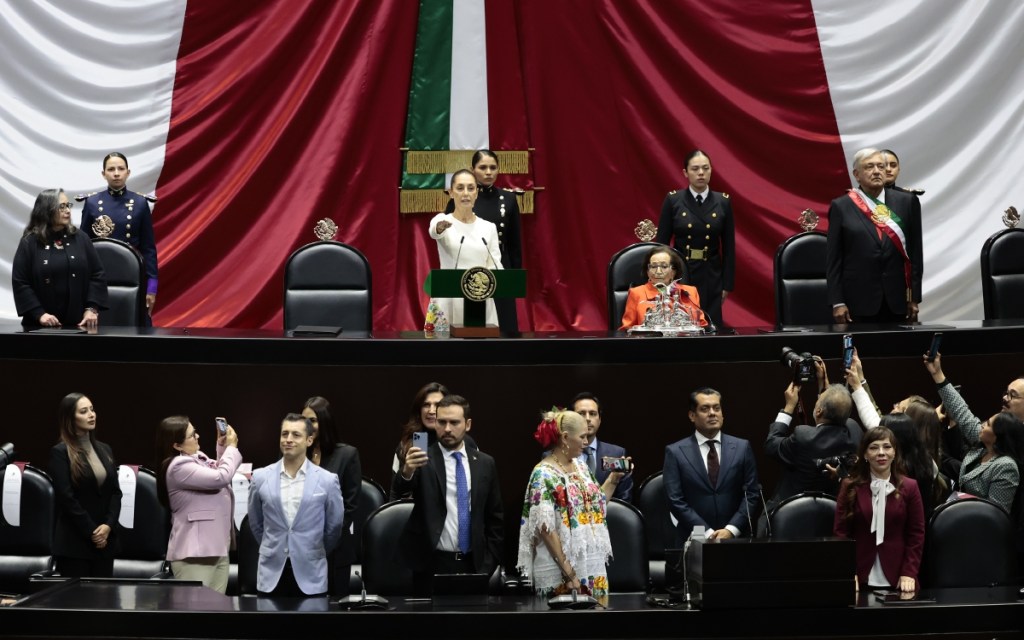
478, 284
880, 216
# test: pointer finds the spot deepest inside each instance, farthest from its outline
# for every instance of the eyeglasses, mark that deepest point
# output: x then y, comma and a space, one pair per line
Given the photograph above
659, 266
1012, 395
193, 436
66, 206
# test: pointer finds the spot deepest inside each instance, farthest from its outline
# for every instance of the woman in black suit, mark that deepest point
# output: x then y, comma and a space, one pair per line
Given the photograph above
57, 276
342, 460
88, 495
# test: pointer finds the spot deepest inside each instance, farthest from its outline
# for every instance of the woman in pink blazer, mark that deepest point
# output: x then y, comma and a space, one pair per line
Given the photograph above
880, 508
197, 490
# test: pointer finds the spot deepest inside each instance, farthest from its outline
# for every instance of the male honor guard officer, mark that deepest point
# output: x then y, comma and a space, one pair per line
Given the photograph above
123, 215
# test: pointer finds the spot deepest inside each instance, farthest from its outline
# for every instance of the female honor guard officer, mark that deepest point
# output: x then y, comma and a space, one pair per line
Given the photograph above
130, 216
500, 207
702, 223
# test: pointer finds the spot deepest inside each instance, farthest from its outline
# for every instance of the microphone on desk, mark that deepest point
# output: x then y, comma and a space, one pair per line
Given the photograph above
362, 602
767, 516
711, 324
459, 253
493, 264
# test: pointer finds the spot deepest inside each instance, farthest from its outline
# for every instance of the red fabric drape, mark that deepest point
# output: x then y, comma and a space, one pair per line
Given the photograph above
293, 111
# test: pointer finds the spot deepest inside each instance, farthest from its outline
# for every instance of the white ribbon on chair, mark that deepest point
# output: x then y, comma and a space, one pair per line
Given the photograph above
127, 480
12, 495
240, 487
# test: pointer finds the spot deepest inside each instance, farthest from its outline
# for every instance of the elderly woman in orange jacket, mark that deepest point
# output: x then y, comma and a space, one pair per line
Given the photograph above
661, 266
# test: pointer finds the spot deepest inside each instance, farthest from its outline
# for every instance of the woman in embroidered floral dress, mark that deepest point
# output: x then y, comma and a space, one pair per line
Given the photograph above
563, 536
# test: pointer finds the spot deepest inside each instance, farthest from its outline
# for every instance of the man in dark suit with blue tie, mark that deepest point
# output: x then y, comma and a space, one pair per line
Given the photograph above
587, 405
456, 524
711, 477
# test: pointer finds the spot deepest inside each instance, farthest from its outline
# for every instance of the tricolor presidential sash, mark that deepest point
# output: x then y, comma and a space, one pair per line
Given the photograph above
891, 224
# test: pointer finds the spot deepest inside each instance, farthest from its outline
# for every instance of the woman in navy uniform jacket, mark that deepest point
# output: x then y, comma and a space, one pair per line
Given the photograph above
701, 222
129, 212
88, 495
57, 277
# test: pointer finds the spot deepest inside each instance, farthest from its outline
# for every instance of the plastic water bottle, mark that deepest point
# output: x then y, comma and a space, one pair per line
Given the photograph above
442, 329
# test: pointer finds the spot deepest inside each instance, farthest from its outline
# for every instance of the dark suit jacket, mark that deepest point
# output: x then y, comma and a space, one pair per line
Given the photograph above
693, 501
900, 551
428, 485
344, 463
84, 506
37, 291
865, 273
797, 449
624, 490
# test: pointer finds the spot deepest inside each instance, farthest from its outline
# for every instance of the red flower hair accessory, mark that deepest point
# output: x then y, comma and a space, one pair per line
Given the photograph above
548, 433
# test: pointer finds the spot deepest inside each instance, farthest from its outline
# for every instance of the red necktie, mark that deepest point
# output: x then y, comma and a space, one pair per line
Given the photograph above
712, 464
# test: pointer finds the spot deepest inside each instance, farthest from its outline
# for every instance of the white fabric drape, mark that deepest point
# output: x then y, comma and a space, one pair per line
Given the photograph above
79, 79
936, 81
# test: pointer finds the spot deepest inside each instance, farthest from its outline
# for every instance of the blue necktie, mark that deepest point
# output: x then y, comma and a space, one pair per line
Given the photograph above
462, 497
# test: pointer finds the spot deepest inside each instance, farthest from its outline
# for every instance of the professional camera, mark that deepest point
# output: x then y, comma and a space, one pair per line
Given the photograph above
841, 463
802, 365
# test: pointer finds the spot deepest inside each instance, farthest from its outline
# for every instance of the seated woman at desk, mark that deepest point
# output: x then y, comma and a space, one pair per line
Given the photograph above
661, 266
880, 509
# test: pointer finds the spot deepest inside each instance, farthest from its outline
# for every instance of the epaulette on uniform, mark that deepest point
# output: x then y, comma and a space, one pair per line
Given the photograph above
83, 196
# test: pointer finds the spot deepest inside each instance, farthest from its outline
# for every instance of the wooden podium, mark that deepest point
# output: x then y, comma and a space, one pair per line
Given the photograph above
447, 283
767, 573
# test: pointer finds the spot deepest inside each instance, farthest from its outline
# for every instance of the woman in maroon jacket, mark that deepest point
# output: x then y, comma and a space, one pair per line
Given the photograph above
880, 508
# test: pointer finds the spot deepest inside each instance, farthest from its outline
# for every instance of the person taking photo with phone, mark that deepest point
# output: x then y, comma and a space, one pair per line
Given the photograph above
197, 491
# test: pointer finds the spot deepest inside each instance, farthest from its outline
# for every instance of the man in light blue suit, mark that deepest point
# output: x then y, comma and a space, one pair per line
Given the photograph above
295, 513
711, 477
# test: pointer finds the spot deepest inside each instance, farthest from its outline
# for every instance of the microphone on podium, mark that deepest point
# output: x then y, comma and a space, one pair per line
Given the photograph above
362, 602
459, 253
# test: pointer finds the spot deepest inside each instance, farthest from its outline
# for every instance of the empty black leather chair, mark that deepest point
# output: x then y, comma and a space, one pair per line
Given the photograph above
629, 569
806, 515
28, 548
624, 274
371, 497
384, 571
248, 552
143, 548
327, 284
652, 500
801, 289
1002, 275
126, 291
969, 543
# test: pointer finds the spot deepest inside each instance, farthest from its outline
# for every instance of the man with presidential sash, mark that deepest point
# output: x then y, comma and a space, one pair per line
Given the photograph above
874, 258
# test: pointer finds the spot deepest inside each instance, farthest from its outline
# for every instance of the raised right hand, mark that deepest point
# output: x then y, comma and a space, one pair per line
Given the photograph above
442, 226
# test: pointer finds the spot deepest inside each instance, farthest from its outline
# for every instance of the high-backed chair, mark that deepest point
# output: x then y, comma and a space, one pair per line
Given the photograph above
143, 548
624, 273
126, 291
1002, 275
629, 569
371, 497
969, 543
248, 559
28, 548
660, 531
805, 515
801, 289
327, 284
384, 571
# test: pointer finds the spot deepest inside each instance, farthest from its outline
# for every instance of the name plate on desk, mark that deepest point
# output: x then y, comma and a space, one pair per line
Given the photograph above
817, 572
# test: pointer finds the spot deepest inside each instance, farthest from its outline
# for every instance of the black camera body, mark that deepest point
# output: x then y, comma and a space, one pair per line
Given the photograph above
802, 365
842, 464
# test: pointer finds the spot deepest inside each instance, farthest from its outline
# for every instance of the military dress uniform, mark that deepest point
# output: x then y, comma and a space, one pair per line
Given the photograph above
500, 207
706, 236
133, 223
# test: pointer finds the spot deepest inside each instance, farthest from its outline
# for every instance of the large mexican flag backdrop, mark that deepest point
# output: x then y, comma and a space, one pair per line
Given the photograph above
251, 121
